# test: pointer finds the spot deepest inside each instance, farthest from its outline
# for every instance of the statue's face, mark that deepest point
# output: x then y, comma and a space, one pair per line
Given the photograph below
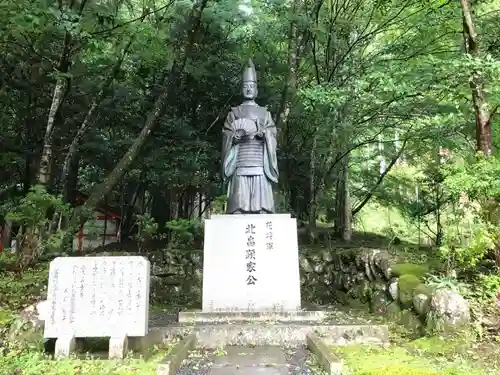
249, 90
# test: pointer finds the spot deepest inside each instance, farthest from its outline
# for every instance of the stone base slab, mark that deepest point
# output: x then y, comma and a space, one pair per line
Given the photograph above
260, 334
198, 316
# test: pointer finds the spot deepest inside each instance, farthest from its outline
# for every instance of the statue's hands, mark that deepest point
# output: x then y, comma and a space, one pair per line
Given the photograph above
238, 135
259, 134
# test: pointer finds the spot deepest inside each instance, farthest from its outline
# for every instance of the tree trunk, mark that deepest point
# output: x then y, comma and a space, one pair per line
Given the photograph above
343, 214
481, 105
46, 159
287, 98
312, 187
89, 117
60, 91
380, 179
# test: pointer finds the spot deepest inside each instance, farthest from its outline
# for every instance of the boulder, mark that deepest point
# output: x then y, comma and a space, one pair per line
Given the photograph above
406, 287
421, 304
393, 289
27, 327
379, 302
448, 309
384, 261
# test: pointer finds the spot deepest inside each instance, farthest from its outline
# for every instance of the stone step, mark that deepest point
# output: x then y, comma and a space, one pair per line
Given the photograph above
265, 360
262, 334
241, 360
198, 316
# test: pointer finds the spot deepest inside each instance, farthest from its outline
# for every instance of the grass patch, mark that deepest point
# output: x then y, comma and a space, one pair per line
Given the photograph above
424, 356
34, 363
20, 290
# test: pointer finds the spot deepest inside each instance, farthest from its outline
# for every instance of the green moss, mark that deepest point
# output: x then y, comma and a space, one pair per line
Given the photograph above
438, 345
418, 270
393, 311
358, 304
423, 289
398, 370
436, 324
401, 361
411, 322
6, 317
407, 285
35, 363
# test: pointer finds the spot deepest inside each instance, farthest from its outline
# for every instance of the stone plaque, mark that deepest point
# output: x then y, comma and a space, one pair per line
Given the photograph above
98, 297
251, 263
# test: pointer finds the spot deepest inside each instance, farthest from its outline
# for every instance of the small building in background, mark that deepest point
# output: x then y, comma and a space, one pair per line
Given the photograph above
102, 229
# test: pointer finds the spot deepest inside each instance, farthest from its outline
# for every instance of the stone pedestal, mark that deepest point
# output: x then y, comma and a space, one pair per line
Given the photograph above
251, 263
65, 346
118, 347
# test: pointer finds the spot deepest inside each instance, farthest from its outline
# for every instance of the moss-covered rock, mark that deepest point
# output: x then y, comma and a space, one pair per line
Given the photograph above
421, 304
411, 322
424, 289
448, 312
417, 270
361, 291
407, 284
393, 311
379, 302
27, 328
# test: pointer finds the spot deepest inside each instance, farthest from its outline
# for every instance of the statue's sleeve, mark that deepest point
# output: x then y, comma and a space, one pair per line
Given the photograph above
228, 148
270, 157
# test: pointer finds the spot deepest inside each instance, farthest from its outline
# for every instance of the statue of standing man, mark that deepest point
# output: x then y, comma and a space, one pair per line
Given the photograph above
249, 162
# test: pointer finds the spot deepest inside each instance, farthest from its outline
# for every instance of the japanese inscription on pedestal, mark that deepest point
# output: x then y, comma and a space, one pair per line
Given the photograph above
269, 235
250, 254
98, 297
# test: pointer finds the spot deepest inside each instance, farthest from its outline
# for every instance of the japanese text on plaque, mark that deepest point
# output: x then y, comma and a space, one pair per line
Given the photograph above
250, 254
269, 235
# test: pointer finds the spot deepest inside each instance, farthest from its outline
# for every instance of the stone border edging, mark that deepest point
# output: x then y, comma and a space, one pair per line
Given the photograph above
332, 364
172, 361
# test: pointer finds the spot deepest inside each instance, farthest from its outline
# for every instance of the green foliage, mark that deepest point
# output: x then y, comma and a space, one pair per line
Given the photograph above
32, 209
147, 229
472, 232
38, 233
184, 233
33, 363
446, 282
218, 205
487, 287
17, 292
423, 356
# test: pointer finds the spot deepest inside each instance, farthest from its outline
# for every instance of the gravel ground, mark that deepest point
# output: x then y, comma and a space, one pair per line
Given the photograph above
198, 363
299, 361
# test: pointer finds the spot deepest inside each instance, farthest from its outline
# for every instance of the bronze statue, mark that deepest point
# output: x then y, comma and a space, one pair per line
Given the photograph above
249, 162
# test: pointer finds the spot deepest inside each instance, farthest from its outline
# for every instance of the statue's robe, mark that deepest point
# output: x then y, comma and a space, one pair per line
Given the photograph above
250, 167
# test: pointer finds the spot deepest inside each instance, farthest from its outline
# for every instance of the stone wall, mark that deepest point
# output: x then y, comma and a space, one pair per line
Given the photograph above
383, 283
370, 278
